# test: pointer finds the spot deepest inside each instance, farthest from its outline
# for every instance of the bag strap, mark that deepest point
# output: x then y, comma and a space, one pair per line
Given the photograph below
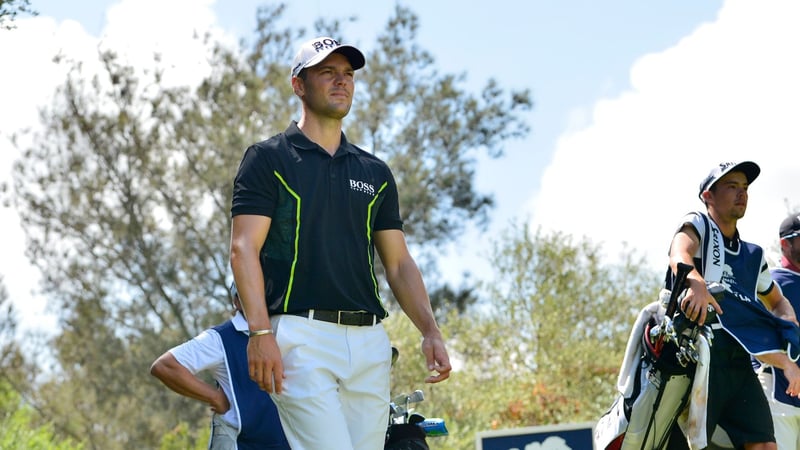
713, 254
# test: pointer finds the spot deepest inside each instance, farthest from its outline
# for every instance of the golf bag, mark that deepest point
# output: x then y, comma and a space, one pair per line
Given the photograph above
658, 375
405, 436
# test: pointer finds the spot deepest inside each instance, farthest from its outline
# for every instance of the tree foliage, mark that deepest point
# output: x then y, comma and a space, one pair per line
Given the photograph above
21, 427
186, 436
545, 346
9, 351
125, 199
430, 131
16, 370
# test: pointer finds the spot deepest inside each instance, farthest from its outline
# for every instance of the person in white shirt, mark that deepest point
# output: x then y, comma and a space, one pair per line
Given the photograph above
244, 417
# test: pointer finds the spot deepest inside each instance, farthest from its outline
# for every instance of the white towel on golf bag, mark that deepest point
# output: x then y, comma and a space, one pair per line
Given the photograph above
629, 370
693, 419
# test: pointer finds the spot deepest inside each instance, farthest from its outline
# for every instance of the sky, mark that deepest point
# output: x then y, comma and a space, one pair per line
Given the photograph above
634, 103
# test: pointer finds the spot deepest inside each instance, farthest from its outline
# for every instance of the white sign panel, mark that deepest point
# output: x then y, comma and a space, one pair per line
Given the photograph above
574, 436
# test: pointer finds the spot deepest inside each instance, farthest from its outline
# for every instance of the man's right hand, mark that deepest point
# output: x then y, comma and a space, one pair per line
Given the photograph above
264, 362
220, 403
695, 302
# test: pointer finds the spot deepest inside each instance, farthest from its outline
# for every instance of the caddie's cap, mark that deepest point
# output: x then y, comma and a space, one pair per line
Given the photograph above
790, 227
749, 168
314, 51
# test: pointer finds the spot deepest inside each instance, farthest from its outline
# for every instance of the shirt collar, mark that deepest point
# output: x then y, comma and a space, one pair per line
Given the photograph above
298, 139
239, 322
732, 244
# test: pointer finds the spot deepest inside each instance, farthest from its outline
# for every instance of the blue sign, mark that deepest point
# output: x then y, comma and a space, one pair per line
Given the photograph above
577, 436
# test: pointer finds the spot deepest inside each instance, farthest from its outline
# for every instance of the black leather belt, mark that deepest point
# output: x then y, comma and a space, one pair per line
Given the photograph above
353, 318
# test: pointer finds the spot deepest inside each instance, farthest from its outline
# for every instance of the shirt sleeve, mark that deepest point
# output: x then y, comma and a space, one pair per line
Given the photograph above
203, 352
764, 284
388, 215
255, 189
694, 220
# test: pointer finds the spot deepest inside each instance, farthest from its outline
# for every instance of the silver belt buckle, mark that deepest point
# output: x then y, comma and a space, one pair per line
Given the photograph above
338, 317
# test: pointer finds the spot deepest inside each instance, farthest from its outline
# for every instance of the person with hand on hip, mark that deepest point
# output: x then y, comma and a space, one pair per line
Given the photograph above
244, 416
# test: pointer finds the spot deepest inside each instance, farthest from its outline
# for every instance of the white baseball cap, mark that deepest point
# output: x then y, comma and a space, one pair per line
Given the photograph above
314, 51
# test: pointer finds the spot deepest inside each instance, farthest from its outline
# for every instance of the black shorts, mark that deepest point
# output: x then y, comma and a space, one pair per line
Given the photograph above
736, 401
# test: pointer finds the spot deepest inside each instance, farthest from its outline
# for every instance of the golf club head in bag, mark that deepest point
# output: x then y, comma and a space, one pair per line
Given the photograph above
405, 431
400, 406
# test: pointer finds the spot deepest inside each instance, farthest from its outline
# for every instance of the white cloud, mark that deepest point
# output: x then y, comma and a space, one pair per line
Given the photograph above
31, 74
25, 88
174, 29
729, 91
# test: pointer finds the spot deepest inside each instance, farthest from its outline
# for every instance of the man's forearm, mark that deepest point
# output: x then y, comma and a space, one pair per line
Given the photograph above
250, 284
776, 359
176, 377
409, 289
785, 311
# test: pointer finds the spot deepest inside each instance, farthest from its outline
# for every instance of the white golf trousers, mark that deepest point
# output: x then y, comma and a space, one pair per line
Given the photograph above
336, 391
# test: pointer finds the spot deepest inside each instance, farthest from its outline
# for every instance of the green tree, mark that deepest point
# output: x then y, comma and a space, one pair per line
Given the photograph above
431, 131
16, 370
21, 427
185, 437
10, 354
125, 199
545, 349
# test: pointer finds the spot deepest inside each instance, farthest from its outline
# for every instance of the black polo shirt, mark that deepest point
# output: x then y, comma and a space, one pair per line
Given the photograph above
319, 251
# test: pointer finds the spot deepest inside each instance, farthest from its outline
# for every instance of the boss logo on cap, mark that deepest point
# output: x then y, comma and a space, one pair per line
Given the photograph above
314, 50
325, 44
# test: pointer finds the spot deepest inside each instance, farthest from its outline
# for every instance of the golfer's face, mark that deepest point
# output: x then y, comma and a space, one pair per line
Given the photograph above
328, 87
729, 196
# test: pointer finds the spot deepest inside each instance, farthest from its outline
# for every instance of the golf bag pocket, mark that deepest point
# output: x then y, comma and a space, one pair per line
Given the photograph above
655, 410
610, 429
